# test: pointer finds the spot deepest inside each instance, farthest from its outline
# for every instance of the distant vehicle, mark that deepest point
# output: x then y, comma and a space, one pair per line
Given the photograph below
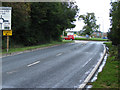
69, 37
104, 38
78, 36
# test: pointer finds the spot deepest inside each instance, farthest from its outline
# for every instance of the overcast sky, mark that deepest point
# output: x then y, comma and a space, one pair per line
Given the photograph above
101, 8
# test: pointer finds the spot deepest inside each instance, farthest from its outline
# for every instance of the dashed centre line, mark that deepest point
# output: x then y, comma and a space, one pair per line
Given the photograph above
59, 54
87, 62
11, 72
33, 63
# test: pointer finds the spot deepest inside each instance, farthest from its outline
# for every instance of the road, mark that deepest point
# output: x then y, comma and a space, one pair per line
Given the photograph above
63, 66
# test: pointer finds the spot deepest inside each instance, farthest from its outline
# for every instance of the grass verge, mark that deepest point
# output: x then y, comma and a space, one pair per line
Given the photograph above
109, 76
22, 48
92, 39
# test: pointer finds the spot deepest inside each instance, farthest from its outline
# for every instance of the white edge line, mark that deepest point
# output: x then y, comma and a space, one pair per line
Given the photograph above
33, 63
92, 72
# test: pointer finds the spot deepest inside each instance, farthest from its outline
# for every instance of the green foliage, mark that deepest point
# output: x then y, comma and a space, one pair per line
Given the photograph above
92, 39
38, 23
19, 48
112, 50
90, 23
114, 33
65, 34
109, 76
20, 21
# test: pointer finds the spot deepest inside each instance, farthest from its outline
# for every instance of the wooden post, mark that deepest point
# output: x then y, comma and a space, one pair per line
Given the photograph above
7, 43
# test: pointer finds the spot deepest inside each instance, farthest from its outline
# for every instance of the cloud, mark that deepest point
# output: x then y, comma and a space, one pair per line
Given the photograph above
99, 7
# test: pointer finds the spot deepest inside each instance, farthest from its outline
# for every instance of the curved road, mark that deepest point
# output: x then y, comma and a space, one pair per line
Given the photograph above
63, 66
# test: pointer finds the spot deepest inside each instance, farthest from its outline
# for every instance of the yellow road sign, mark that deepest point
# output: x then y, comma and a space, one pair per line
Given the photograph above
7, 32
74, 34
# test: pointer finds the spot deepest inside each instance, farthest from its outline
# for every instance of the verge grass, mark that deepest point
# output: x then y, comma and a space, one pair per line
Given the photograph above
24, 48
92, 39
109, 77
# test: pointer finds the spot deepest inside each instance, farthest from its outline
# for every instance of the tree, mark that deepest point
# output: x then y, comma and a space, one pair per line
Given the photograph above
52, 18
90, 23
38, 22
114, 33
20, 21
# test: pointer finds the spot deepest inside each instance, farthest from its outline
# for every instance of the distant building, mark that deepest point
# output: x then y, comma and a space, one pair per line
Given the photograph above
71, 32
99, 34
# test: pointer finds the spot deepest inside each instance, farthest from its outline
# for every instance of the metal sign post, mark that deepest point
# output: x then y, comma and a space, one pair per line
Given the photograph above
7, 33
5, 23
7, 43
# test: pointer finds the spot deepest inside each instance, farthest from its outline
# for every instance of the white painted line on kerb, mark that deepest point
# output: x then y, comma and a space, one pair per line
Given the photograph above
92, 72
59, 54
33, 63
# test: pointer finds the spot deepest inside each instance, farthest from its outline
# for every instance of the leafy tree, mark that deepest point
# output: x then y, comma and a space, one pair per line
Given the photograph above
20, 21
90, 23
114, 33
56, 18
38, 23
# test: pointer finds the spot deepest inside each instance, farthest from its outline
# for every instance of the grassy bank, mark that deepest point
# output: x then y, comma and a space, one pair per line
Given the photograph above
108, 78
22, 48
92, 39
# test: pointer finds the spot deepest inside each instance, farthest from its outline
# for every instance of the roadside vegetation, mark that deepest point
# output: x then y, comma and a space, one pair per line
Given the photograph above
35, 23
19, 48
90, 23
92, 39
109, 77
114, 32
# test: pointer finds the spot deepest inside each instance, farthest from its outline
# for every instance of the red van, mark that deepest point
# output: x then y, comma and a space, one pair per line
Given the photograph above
69, 37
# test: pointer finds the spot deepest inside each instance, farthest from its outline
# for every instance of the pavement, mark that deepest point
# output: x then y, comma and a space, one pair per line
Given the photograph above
63, 66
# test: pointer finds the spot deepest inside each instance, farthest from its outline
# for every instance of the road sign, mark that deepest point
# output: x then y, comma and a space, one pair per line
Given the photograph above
5, 18
75, 35
7, 33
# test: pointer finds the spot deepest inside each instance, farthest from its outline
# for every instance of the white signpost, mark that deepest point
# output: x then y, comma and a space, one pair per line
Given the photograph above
5, 18
5, 22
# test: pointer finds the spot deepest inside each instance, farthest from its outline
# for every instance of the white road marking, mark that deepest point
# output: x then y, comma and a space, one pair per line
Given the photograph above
86, 62
78, 41
81, 86
33, 63
59, 54
11, 72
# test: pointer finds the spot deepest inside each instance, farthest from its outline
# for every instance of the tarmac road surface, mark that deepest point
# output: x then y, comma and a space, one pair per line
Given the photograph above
63, 66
